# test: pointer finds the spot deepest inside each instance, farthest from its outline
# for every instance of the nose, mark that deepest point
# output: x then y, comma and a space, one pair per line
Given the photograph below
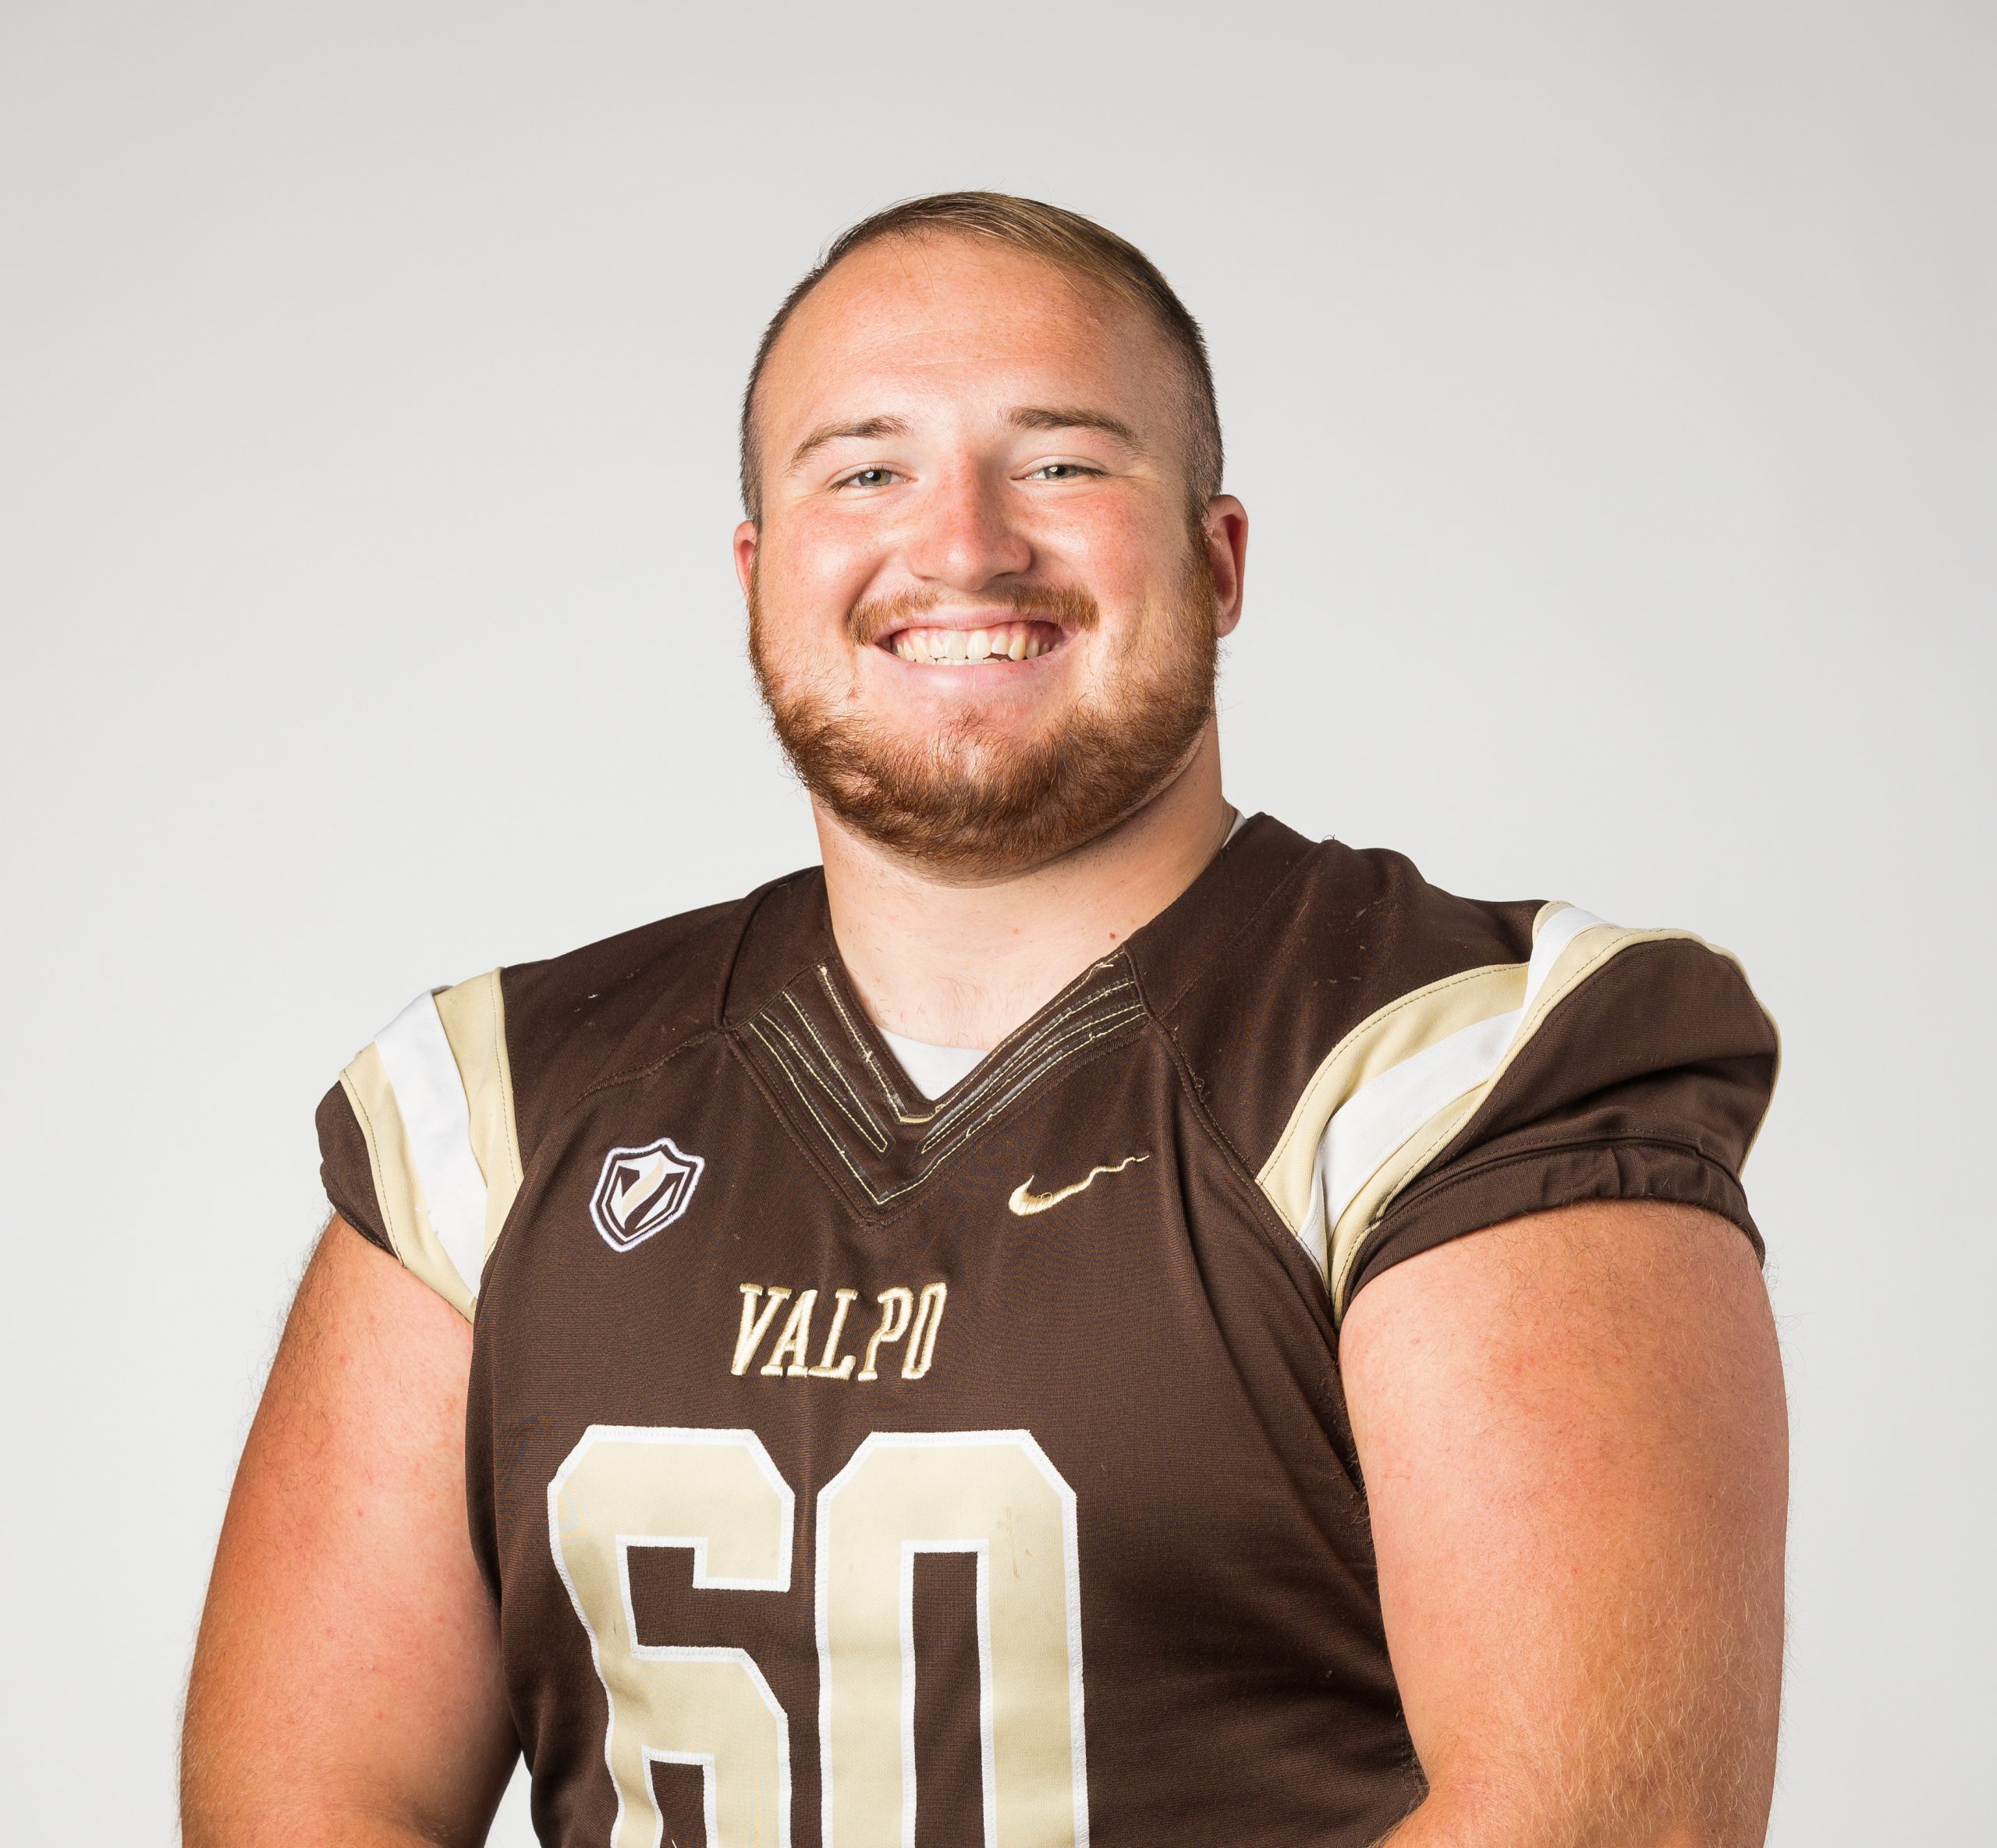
963, 537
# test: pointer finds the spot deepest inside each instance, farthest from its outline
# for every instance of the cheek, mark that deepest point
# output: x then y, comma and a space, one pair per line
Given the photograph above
1111, 547
1135, 568
806, 582
820, 560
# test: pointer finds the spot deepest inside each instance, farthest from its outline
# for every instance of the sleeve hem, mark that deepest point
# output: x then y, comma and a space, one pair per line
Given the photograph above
346, 1169
362, 1224
1536, 1180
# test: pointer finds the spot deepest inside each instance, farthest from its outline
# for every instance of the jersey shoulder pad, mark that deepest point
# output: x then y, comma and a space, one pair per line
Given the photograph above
431, 1096
425, 1139
1430, 1064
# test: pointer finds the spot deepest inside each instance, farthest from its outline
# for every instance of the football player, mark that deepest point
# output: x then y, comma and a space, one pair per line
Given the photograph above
1085, 1318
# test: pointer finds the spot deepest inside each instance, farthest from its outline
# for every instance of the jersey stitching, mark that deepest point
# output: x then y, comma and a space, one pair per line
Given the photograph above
1027, 1049
374, 1164
1083, 1035
831, 1064
763, 1026
502, 1079
882, 1198
1101, 1030
866, 1051
950, 1153
1369, 1244
1000, 1075
644, 1071
1522, 1037
839, 1147
1051, 1033
824, 1129
1282, 1243
985, 1081
1295, 870
810, 1151
1090, 1031
873, 1135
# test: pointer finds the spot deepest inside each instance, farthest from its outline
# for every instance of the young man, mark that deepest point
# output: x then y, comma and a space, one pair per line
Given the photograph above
982, 1341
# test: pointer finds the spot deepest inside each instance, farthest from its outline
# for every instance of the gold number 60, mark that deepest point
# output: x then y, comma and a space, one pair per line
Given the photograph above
990, 1494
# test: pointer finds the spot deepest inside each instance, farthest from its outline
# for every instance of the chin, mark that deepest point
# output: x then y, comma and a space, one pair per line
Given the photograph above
994, 768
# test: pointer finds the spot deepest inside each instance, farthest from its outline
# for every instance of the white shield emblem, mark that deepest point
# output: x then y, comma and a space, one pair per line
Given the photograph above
642, 1190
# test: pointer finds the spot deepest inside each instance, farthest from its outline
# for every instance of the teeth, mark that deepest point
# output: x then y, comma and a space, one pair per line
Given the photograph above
1006, 641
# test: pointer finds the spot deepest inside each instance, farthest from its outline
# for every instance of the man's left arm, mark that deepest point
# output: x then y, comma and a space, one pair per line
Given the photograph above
1574, 1439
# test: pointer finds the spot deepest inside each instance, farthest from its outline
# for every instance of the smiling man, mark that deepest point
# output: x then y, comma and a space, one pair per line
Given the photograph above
1083, 1319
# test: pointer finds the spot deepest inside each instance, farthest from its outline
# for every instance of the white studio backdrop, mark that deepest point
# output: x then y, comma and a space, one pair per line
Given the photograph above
1611, 388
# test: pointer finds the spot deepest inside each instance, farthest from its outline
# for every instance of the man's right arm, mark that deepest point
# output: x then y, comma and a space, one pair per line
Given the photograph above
347, 1685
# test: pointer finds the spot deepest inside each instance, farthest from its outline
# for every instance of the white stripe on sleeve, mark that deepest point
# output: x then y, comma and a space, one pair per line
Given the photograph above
431, 1094
1386, 1111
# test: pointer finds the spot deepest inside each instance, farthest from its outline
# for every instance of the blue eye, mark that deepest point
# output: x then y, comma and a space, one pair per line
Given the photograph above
1051, 470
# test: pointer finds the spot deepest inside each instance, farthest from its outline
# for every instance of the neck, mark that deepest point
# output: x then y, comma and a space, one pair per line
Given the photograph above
961, 964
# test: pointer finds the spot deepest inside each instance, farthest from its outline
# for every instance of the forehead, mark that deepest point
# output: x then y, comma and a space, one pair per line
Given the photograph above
940, 319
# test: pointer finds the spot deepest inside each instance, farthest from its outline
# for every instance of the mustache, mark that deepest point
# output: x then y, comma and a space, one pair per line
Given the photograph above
1067, 606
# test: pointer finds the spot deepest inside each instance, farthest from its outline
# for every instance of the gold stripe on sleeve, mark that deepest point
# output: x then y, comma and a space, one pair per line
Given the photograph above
1399, 1031
1587, 954
398, 1188
1383, 1040
474, 1017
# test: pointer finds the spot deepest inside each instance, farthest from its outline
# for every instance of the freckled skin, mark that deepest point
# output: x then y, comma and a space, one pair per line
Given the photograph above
949, 338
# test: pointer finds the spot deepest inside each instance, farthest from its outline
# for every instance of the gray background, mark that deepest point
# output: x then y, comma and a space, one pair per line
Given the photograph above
1610, 386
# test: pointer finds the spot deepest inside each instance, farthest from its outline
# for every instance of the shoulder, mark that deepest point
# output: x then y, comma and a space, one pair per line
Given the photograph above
1320, 938
619, 1006
426, 1137
1371, 1039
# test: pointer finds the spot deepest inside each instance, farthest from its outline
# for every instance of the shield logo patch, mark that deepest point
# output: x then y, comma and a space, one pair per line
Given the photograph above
642, 1190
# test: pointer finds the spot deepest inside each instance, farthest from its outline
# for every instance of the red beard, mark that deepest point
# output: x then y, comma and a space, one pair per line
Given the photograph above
969, 800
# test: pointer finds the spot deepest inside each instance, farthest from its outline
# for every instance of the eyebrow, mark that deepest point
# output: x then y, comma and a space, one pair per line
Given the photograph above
1030, 416
865, 429
1068, 416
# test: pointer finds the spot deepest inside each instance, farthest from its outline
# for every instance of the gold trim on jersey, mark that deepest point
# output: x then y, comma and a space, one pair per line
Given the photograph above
886, 1162
1398, 1031
474, 1017
1412, 1024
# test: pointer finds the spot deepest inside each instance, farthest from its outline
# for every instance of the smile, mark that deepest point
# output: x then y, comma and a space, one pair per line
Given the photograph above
973, 648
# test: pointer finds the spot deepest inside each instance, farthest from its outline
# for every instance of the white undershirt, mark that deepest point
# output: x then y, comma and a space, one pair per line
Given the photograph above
932, 1070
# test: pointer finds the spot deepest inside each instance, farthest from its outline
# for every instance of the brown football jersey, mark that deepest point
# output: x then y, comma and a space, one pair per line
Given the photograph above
857, 1469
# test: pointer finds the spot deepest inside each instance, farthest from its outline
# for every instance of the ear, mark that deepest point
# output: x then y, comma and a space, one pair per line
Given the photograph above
745, 555
1226, 530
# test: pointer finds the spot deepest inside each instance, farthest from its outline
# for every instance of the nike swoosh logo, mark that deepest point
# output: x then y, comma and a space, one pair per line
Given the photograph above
1025, 1202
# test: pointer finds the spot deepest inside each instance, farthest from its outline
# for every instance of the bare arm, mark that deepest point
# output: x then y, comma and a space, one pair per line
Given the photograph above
346, 1683
1574, 1438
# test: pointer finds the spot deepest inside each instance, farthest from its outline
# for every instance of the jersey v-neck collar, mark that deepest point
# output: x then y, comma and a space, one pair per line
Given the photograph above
933, 1069
790, 1008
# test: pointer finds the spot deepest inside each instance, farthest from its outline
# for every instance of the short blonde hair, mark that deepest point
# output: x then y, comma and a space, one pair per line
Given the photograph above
1078, 245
